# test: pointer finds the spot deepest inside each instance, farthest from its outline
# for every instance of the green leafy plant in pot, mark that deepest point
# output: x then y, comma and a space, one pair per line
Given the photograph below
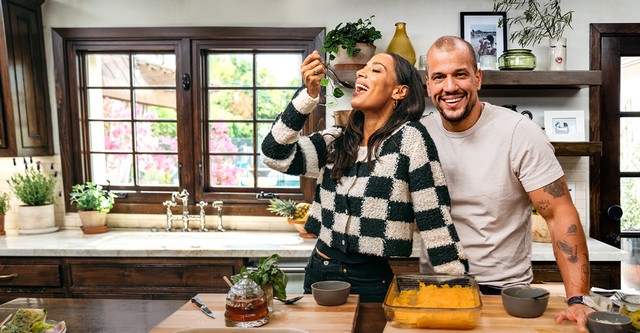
269, 277
4, 207
36, 189
93, 203
350, 37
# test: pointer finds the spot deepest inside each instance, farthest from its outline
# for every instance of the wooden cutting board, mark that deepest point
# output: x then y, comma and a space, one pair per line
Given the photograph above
494, 319
304, 314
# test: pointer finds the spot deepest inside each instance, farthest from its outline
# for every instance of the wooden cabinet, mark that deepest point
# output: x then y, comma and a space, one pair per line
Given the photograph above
131, 278
25, 113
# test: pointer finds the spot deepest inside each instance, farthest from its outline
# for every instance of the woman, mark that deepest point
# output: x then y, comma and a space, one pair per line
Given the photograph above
376, 177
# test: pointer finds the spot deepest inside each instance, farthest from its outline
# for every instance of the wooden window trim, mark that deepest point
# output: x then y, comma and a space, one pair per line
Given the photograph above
67, 41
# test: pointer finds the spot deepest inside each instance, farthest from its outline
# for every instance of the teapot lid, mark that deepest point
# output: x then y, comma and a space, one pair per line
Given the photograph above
246, 287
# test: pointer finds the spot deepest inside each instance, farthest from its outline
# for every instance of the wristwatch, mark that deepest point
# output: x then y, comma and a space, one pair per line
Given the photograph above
582, 299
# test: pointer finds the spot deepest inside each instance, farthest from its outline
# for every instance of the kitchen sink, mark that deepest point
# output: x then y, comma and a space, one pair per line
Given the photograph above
197, 240
238, 330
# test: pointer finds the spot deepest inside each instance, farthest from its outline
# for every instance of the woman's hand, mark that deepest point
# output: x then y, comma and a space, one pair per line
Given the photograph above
312, 71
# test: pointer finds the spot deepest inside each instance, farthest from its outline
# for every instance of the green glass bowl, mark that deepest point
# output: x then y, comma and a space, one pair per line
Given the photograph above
517, 59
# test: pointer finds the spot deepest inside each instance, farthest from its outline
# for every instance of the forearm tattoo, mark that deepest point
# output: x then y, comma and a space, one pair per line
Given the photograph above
556, 188
572, 230
572, 251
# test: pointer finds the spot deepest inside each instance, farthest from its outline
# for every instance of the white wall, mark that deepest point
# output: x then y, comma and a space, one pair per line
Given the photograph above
426, 21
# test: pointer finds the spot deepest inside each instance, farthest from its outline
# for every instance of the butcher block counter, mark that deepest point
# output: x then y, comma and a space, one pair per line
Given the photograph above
304, 314
494, 319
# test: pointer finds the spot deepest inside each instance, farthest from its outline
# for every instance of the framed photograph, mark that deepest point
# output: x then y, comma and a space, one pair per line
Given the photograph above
564, 125
482, 31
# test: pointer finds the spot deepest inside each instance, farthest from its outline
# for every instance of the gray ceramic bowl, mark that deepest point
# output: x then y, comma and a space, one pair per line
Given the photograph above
525, 301
330, 293
608, 322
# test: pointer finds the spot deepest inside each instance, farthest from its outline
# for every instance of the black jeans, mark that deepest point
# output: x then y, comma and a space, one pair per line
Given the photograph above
370, 280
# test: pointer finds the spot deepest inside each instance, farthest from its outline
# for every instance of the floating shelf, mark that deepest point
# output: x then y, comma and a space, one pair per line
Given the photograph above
578, 148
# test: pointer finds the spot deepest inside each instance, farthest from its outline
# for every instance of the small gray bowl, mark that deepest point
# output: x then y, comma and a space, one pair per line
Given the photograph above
331, 293
608, 322
525, 301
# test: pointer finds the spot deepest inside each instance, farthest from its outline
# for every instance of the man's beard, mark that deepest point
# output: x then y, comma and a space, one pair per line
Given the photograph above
458, 119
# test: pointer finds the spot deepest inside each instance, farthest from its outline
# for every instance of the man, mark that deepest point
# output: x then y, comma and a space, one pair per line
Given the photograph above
496, 163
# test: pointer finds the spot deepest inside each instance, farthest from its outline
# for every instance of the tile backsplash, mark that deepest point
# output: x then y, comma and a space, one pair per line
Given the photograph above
576, 172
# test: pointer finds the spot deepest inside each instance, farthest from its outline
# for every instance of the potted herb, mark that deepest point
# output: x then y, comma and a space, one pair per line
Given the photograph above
352, 42
93, 203
269, 277
4, 207
535, 20
36, 189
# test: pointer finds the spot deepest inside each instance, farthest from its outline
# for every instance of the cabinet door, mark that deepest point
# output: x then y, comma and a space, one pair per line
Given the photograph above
26, 102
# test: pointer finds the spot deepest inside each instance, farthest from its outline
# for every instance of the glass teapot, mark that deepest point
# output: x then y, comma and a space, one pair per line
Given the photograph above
245, 305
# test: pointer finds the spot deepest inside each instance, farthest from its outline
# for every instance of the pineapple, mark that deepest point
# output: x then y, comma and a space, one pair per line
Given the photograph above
289, 208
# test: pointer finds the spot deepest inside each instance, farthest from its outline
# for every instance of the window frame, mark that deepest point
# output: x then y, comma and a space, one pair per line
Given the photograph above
188, 42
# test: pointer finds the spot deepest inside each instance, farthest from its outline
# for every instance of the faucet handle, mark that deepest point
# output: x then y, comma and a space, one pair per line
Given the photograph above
201, 204
169, 203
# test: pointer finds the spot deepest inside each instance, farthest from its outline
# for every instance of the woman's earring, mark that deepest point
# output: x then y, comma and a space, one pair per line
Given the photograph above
395, 104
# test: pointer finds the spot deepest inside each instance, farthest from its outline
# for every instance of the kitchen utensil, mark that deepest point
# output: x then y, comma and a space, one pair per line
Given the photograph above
290, 300
202, 307
335, 76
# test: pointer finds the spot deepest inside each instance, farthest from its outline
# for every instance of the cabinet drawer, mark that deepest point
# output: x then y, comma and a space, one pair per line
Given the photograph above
30, 275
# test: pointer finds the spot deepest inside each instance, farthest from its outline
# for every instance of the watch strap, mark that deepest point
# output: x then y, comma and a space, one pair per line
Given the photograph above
575, 300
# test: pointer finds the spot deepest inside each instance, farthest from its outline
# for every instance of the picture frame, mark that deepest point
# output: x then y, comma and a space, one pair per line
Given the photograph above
482, 30
567, 125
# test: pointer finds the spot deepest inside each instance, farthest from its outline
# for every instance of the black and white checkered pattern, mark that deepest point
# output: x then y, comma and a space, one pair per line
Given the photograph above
371, 211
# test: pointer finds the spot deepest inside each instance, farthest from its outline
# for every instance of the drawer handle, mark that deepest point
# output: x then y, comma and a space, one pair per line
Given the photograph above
8, 277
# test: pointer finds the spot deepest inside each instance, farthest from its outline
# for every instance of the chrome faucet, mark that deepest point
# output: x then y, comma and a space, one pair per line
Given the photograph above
218, 205
184, 197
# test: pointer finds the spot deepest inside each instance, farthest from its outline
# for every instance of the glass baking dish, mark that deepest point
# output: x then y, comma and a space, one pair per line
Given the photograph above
433, 301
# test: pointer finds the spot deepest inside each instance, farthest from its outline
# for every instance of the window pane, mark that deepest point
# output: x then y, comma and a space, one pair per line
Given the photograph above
230, 104
263, 130
157, 170
230, 70
109, 103
629, 144
108, 70
272, 102
630, 203
156, 137
110, 136
278, 69
629, 84
230, 138
155, 104
154, 70
231, 171
271, 178
115, 168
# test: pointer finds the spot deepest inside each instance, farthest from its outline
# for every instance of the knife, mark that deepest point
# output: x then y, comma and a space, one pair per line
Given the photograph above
202, 307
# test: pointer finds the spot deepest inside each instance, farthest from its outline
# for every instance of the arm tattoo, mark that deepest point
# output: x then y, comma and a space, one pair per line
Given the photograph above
568, 249
542, 205
571, 231
556, 188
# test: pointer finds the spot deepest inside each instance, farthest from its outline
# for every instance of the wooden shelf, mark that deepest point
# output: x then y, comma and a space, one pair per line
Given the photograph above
578, 148
521, 79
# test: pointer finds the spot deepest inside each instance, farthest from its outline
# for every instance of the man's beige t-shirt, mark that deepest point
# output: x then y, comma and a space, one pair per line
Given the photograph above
489, 169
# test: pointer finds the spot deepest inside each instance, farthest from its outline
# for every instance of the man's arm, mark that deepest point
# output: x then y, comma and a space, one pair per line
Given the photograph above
553, 202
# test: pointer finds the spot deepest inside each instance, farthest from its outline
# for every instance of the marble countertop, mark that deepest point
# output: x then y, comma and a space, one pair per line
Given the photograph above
126, 243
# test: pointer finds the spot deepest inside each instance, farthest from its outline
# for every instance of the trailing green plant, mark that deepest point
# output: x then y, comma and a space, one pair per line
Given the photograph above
4, 203
90, 196
536, 20
267, 273
346, 35
33, 187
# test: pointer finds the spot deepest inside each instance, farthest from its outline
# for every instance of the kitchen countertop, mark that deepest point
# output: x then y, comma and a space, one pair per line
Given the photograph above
127, 243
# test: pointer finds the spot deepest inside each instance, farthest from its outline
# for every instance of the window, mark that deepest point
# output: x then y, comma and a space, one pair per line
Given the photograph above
157, 110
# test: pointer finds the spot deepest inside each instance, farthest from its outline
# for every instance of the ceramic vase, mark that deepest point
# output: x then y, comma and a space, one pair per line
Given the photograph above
401, 44
36, 219
558, 54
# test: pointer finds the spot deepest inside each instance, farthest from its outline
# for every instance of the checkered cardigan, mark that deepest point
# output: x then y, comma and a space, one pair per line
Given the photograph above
371, 211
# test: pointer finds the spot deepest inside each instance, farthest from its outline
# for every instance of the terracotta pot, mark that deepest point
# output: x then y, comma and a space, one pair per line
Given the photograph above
93, 221
36, 219
2, 232
299, 225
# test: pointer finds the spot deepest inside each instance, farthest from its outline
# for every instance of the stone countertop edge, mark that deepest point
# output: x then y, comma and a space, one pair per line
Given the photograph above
73, 243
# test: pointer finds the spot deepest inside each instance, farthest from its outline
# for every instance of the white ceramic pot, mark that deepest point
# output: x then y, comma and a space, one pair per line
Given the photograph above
36, 219
343, 59
558, 54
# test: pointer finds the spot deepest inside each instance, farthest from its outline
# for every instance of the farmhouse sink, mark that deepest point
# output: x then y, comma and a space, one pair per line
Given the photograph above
133, 240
